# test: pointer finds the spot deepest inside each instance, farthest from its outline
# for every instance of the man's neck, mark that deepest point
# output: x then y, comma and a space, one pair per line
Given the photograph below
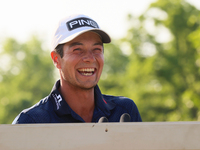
80, 100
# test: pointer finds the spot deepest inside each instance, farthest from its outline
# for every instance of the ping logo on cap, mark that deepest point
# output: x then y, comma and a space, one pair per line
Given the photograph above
81, 22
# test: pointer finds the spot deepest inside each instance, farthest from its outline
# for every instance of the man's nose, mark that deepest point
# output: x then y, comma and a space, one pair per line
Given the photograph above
89, 57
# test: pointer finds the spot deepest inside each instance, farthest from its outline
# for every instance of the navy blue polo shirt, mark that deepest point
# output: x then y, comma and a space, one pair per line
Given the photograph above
54, 109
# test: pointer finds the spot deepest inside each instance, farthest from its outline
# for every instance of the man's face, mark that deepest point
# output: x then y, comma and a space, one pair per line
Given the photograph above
82, 62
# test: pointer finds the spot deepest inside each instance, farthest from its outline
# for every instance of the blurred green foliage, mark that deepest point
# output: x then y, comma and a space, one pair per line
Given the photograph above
162, 74
156, 64
26, 76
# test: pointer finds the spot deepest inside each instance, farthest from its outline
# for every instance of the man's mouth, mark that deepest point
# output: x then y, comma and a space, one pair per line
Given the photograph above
86, 71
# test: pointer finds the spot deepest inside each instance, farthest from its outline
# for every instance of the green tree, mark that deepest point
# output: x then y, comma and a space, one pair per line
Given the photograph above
162, 74
26, 76
115, 63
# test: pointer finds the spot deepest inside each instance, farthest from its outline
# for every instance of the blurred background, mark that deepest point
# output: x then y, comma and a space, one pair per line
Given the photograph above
154, 57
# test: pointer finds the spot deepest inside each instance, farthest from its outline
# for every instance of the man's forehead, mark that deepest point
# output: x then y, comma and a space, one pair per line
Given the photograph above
86, 37
81, 44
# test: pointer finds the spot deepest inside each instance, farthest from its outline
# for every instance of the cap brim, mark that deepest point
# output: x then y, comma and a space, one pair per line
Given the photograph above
104, 36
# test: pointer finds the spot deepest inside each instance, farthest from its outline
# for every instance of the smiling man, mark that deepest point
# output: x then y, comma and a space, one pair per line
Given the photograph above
78, 54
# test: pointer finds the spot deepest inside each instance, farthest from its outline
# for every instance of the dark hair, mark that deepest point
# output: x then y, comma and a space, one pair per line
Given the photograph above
59, 49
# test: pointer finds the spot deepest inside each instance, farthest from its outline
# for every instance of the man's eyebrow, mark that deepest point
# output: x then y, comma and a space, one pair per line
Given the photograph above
75, 44
99, 43
78, 43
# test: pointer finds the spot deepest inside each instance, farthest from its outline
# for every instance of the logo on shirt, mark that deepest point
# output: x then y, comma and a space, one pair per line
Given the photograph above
57, 99
81, 22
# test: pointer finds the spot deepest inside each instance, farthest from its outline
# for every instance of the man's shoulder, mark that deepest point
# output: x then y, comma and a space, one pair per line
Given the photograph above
117, 99
122, 105
38, 113
42, 105
120, 101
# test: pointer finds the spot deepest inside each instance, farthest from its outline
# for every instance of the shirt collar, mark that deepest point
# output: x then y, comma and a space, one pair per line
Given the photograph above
62, 108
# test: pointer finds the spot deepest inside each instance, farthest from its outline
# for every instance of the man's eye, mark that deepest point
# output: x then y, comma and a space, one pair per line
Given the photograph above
77, 49
98, 49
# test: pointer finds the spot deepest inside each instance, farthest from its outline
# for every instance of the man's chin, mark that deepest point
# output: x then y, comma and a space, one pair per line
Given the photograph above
88, 87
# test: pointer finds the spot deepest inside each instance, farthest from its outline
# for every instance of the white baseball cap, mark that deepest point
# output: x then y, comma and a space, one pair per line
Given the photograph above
72, 26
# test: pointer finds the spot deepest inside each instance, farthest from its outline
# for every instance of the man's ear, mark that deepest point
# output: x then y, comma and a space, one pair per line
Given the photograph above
56, 59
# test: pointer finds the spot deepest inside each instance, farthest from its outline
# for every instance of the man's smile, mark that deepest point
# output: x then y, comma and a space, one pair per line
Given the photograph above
87, 71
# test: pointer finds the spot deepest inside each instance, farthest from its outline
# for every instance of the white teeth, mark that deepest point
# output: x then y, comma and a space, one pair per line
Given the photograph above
86, 69
86, 74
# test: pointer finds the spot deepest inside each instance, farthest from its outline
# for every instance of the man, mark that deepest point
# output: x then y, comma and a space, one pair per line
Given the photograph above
77, 52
